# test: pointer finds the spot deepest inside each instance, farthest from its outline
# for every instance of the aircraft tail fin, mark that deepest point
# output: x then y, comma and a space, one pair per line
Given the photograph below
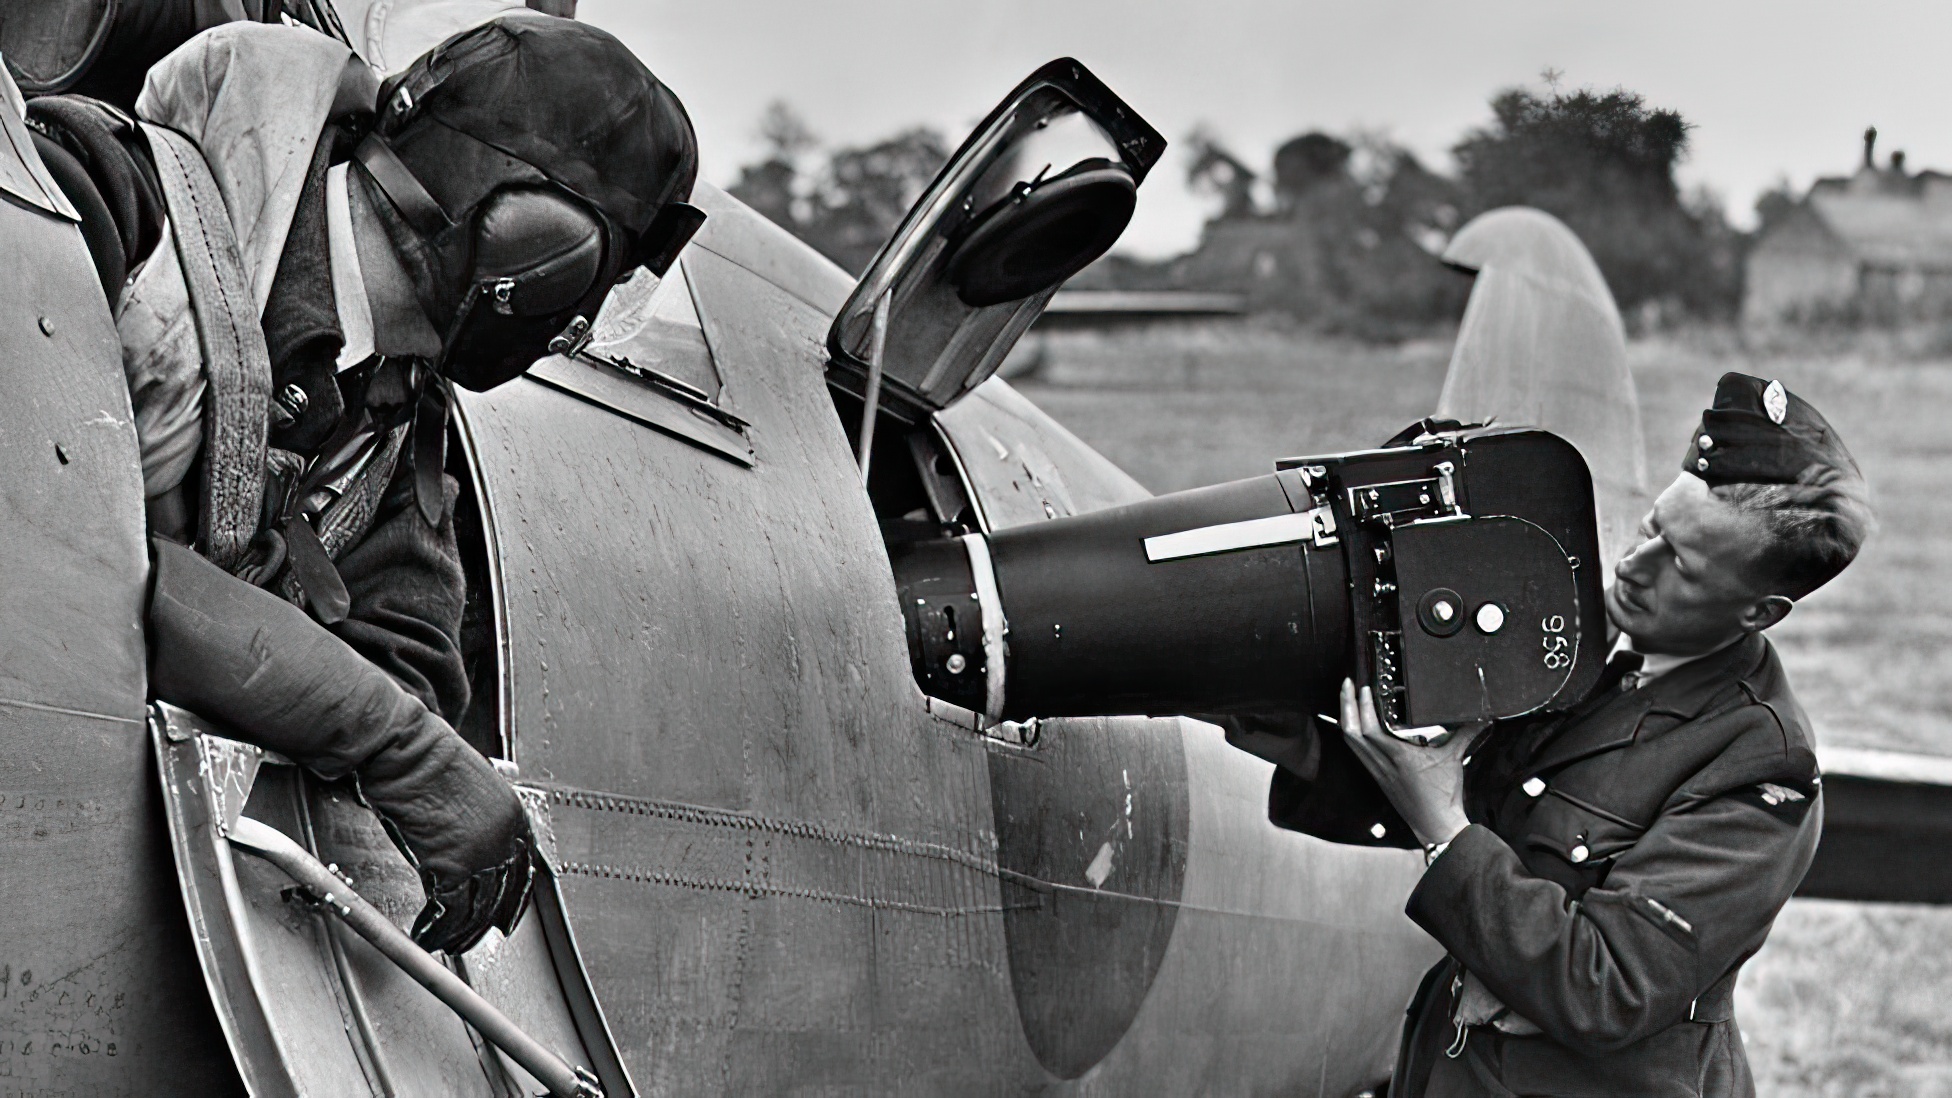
1542, 345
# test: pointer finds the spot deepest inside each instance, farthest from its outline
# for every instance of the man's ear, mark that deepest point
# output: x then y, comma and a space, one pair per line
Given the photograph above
1766, 611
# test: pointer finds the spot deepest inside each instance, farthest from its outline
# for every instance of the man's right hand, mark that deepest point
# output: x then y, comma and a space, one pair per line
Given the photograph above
1424, 783
461, 825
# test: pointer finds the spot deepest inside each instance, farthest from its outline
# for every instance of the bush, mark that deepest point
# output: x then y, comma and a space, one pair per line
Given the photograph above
1604, 164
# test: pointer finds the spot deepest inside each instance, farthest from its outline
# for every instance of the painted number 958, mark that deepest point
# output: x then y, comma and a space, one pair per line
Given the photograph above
1558, 648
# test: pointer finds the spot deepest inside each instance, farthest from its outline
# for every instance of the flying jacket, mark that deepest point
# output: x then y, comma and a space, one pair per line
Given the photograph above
1624, 861
254, 99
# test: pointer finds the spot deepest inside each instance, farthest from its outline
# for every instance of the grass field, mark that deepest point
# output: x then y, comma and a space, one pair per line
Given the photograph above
1846, 999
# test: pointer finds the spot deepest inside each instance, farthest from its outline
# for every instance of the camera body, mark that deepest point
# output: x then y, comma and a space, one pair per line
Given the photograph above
1454, 571
1473, 565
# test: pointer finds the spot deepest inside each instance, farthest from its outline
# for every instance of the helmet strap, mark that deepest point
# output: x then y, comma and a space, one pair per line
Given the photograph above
401, 187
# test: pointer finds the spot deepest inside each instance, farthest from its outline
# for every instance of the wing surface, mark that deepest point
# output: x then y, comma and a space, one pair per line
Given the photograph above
1887, 819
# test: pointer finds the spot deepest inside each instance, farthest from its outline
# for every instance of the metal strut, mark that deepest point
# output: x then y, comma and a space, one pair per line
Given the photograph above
563, 1079
871, 406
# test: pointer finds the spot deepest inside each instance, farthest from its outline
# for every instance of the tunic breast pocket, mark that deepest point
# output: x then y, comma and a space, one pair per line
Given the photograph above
1574, 842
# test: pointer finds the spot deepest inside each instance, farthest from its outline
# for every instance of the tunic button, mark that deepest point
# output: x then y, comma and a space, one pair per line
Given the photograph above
1533, 787
1701, 464
1378, 830
1705, 442
1578, 854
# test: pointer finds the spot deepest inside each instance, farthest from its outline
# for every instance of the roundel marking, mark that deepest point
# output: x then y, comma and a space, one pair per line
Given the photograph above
1091, 829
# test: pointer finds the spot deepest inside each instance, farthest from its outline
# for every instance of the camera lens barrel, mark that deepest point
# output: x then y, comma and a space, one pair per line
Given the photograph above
1094, 627
1451, 574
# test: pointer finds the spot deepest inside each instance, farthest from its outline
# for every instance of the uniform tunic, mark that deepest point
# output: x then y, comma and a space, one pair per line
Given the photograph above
1624, 860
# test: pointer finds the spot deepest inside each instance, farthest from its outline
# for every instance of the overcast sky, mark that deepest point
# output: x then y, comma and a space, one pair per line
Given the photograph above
1776, 88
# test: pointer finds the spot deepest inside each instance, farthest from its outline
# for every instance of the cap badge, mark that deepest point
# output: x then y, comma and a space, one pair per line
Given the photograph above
1775, 401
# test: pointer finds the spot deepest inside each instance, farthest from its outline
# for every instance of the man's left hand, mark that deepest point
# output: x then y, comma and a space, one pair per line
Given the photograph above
1424, 783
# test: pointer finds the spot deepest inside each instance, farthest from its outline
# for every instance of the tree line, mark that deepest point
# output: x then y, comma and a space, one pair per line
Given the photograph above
1344, 229
846, 207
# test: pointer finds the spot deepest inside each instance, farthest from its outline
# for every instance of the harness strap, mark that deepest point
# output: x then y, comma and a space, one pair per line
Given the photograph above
317, 578
430, 449
313, 579
236, 365
348, 520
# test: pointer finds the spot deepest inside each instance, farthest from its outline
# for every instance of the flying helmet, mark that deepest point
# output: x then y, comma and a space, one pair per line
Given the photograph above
533, 163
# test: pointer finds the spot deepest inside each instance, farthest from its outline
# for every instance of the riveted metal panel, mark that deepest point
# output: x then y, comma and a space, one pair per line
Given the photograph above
99, 989
785, 874
779, 866
308, 1006
1184, 944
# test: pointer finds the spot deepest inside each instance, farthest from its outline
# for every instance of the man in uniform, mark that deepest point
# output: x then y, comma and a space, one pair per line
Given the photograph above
297, 276
1598, 878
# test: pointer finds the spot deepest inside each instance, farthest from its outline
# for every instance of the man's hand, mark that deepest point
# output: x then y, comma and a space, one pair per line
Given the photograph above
278, 679
1425, 783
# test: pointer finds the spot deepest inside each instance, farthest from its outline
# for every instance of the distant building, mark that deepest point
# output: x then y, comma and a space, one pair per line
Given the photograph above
1873, 248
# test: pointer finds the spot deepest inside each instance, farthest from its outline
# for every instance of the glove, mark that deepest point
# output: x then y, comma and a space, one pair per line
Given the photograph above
241, 655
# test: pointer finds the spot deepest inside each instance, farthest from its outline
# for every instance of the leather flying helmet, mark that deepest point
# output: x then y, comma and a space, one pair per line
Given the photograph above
531, 163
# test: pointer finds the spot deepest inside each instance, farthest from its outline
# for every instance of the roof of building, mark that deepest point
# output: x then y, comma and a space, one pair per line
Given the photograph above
1884, 215
1888, 226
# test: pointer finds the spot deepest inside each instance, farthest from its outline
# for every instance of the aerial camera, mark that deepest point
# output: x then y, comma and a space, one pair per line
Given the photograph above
1454, 570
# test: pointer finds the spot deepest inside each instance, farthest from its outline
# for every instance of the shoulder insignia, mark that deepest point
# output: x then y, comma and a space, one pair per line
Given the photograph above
1787, 799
